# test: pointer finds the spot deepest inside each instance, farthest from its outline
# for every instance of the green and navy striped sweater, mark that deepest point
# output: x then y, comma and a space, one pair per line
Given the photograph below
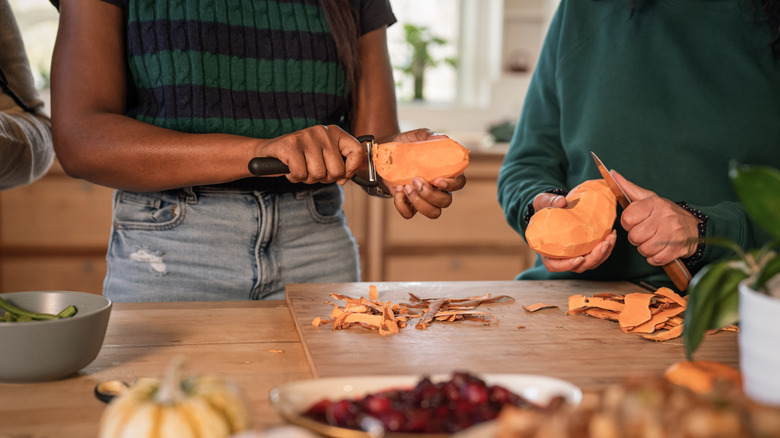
254, 68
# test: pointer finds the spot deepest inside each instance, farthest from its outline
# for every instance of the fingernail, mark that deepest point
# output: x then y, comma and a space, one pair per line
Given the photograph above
418, 184
579, 260
408, 189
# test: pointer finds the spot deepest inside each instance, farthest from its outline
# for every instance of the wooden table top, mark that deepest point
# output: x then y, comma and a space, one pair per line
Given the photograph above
588, 352
262, 344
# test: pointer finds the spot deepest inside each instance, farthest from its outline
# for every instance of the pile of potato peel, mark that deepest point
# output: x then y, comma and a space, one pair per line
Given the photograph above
388, 318
655, 316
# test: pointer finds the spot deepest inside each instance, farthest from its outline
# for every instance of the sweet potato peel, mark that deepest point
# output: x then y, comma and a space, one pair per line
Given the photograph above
538, 306
636, 310
654, 316
388, 318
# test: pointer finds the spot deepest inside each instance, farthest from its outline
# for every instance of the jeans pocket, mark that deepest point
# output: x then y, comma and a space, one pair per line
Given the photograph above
147, 211
325, 203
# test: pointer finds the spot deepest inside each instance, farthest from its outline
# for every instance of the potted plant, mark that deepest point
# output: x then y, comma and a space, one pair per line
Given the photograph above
745, 289
419, 39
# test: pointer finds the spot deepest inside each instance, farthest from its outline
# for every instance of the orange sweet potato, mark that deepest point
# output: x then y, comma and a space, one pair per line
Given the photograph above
701, 375
397, 163
576, 229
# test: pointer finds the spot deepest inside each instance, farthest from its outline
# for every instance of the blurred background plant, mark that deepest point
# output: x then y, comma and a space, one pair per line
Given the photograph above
420, 41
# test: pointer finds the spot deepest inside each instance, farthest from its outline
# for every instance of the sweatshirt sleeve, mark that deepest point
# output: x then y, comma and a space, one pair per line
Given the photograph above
536, 161
730, 221
26, 149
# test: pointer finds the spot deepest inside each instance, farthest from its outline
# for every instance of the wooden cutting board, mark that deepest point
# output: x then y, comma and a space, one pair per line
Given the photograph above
588, 352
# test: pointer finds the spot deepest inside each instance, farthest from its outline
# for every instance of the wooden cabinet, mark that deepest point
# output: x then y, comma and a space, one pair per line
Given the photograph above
54, 234
470, 241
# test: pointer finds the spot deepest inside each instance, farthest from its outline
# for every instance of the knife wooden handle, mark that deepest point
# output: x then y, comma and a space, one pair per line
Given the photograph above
678, 273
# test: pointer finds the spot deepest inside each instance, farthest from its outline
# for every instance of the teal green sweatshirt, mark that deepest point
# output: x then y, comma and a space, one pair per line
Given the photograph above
667, 98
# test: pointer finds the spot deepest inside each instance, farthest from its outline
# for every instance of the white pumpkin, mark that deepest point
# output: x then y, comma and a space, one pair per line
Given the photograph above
176, 407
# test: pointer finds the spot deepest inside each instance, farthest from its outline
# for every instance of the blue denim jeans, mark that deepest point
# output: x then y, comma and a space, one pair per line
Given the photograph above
207, 244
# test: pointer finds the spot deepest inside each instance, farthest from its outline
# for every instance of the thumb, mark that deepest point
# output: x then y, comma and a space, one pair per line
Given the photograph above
633, 191
545, 200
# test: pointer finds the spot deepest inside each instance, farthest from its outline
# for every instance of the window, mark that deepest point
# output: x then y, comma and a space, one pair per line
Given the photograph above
431, 25
469, 33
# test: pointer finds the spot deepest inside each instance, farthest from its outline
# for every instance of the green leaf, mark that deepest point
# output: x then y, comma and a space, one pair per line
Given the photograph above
769, 270
712, 300
726, 309
758, 187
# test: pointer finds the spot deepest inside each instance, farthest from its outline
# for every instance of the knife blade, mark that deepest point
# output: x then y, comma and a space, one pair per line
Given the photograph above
675, 269
621, 196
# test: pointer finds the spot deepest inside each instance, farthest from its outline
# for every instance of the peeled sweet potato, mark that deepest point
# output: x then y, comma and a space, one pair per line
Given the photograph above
701, 375
576, 229
397, 163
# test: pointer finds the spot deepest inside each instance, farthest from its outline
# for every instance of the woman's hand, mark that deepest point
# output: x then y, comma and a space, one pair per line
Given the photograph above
319, 154
427, 197
661, 230
579, 264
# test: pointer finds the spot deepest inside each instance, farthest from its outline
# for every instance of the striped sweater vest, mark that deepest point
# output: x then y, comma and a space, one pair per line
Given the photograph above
253, 68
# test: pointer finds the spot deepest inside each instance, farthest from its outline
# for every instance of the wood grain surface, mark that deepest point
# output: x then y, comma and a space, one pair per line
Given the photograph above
588, 352
252, 343
260, 346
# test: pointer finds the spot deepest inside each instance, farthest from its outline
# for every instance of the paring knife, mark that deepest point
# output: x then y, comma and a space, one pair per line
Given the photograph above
675, 269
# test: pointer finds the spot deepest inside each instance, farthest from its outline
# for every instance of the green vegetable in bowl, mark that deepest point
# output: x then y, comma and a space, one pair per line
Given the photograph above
15, 313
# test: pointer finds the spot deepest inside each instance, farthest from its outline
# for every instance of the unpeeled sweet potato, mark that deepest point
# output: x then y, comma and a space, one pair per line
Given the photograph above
576, 229
397, 163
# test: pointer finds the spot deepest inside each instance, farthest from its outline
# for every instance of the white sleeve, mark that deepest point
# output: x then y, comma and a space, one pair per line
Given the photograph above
26, 149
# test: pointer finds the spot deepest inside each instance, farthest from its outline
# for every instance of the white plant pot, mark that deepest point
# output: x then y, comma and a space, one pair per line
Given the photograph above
759, 345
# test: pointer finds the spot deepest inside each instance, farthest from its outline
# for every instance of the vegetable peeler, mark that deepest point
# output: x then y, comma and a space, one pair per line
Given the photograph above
264, 166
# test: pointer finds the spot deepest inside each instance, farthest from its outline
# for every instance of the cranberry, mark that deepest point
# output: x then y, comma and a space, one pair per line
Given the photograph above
392, 420
317, 411
500, 395
475, 393
377, 404
417, 420
426, 393
341, 413
450, 390
444, 407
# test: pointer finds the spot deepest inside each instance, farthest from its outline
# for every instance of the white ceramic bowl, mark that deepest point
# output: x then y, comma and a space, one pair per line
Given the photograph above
37, 351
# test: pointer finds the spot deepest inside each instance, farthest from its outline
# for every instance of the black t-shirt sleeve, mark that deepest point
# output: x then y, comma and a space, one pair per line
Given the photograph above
375, 14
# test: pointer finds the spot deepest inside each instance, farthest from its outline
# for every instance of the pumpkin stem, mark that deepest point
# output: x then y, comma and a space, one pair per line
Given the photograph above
170, 391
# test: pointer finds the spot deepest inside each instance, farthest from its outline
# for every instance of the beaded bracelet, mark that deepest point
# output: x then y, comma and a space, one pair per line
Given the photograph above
530, 210
702, 227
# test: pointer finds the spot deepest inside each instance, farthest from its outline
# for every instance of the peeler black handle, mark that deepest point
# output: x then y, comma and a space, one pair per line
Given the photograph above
262, 166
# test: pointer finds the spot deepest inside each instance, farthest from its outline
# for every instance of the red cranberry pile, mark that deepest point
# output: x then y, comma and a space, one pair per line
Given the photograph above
442, 407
